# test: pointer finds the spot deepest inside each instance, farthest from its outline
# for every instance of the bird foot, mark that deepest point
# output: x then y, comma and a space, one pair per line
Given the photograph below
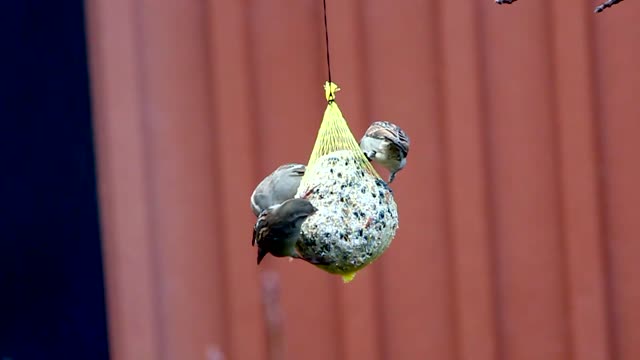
313, 260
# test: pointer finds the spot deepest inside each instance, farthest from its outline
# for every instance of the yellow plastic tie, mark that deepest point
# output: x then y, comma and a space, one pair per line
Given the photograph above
346, 278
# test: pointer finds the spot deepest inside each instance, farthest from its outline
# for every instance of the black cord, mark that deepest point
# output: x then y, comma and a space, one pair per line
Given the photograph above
326, 37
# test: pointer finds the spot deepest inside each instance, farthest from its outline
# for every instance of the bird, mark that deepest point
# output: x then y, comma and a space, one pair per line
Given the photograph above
279, 186
278, 229
387, 144
606, 4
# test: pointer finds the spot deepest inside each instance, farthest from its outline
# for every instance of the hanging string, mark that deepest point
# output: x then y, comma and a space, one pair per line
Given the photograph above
326, 38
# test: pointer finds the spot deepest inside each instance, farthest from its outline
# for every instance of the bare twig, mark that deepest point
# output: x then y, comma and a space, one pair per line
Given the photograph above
273, 315
606, 4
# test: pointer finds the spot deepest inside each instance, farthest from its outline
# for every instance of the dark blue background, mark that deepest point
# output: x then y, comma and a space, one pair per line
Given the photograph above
51, 285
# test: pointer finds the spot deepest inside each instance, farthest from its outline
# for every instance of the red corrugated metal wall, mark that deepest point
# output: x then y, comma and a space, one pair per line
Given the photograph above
519, 210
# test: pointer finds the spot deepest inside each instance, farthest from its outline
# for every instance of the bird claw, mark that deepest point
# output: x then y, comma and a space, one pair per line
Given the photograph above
309, 192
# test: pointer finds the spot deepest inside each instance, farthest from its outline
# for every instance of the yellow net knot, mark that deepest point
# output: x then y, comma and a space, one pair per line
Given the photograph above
330, 90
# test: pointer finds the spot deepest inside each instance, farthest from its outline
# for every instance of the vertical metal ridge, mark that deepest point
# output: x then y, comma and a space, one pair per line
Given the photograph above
159, 320
490, 191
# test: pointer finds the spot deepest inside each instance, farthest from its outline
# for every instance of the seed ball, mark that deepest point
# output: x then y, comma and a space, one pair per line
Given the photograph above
357, 216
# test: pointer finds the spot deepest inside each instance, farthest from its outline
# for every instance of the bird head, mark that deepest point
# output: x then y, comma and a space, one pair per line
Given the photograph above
297, 209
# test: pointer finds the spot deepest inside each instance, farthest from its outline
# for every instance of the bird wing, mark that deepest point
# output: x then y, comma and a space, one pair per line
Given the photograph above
253, 238
271, 237
264, 232
258, 228
403, 142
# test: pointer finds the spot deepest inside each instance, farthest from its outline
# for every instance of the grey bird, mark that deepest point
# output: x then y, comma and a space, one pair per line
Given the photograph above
278, 229
279, 186
387, 144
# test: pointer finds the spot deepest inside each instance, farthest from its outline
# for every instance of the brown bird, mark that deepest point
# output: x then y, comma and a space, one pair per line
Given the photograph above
278, 229
387, 144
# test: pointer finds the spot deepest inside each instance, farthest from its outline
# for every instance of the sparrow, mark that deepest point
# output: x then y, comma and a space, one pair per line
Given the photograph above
387, 144
279, 186
278, 229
